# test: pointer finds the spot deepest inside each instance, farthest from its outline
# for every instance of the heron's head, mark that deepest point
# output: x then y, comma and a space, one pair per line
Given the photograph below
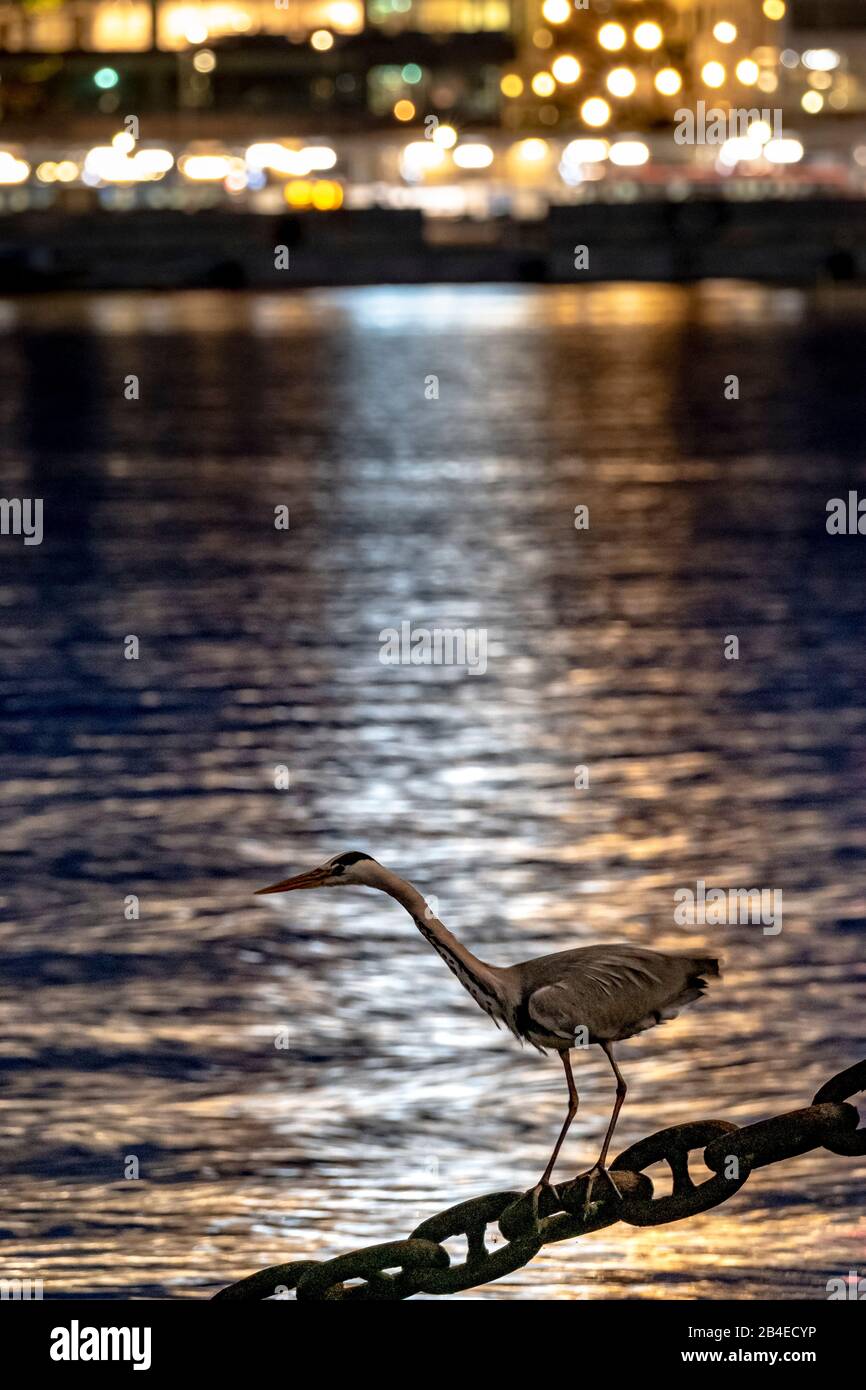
343, 870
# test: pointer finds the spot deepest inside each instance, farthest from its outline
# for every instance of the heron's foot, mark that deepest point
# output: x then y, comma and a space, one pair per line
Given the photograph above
536, 1193
593, 1175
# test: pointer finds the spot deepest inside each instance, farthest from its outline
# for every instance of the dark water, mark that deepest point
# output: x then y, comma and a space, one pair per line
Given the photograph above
259, 649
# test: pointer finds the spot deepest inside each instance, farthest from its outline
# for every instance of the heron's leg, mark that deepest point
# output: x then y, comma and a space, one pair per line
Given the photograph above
601, 1166
621, 1090
573, 1100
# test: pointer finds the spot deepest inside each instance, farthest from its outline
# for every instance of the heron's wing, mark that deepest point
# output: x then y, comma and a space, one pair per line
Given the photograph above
598, 988
552, 1008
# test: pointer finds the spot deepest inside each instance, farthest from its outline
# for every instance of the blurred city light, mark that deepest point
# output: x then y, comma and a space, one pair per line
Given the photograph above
566, 69
419, 158
612, 37
783, 151
595, 111
621, 82
556, 11
585, 151
740, 149
648, 35
668, 81
821, 59
473, 156
559, 73
12, 169
725, 32
629, 154
445, 136
543, 84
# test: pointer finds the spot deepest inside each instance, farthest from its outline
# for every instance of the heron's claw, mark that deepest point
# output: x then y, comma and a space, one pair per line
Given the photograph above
534, 1195
599, 1171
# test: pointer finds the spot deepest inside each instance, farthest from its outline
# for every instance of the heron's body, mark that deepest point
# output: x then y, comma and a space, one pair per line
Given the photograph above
593, 994
612, 992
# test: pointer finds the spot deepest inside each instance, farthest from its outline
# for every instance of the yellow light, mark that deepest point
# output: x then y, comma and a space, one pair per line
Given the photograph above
566, 69
327, 196
725, 32
648, 35
621, 82
543, 84
812, 102
298, 193
322, 40
713, 74
123, 141
768, 81
668, 82
595, 112
511, 85
628, 154
542, 38
404, 110
204, 61
194, 31
774, 9
67, 170
747, 72
46, 172
531, 151
556, 11
477, 156
346, 15
445, 136
611, 37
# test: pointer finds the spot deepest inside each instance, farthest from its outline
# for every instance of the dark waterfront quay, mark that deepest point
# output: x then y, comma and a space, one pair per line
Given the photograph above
787, 242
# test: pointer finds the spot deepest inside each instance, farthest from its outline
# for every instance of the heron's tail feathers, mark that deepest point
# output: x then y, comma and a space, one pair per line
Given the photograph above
697, 969
706, 965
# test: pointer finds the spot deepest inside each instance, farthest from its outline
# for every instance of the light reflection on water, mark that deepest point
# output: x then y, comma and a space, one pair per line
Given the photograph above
260, 648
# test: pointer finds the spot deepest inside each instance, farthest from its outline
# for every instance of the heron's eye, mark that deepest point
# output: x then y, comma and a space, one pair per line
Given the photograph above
338, 868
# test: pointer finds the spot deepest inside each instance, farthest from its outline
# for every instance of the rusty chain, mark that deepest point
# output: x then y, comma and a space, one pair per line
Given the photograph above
527, 1222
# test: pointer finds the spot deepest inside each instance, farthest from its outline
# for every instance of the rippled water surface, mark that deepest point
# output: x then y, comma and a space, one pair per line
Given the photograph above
259, 650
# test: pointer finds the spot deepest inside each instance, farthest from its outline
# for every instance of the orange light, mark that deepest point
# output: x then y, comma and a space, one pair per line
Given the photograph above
298, 193
327, 196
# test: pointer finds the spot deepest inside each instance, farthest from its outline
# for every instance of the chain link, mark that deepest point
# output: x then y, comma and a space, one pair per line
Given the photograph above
528, 1220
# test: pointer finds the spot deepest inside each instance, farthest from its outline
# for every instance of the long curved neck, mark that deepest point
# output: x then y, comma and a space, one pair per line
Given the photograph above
482, 980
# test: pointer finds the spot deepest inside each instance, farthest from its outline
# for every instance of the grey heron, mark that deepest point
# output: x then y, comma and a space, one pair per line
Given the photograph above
601, 993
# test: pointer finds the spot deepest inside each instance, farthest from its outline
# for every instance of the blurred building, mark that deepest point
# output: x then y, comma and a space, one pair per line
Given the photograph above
315, 62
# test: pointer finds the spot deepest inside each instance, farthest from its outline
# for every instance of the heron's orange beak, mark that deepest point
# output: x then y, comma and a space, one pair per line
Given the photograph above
313, 878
